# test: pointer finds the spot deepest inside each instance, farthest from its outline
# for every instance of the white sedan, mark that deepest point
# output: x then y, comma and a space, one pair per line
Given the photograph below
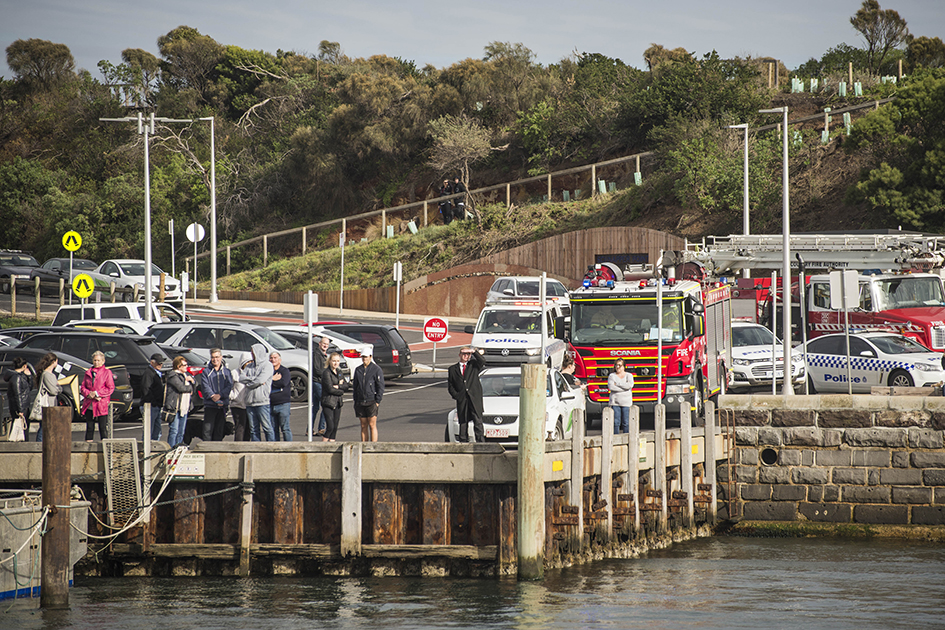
751, 358
500, 396
876, 359
129, 274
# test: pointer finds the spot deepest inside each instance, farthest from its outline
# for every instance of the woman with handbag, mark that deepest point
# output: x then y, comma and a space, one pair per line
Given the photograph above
48, 386
334, 385
178, 393
96, 391
19, 385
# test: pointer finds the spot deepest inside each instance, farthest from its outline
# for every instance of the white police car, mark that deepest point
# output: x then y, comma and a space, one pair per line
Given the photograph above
500, 394
876, 359
751, 358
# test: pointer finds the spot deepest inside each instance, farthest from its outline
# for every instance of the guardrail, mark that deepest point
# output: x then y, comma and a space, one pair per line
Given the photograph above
128, 294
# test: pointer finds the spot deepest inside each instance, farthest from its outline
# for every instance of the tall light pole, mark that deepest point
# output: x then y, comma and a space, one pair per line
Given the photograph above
213, 214
787, 390
146, 128
746, 273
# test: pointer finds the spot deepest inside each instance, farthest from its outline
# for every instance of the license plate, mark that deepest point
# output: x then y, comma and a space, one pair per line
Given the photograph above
778, 374
497, 433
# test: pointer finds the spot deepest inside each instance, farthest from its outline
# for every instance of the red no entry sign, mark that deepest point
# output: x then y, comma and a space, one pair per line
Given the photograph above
435, 329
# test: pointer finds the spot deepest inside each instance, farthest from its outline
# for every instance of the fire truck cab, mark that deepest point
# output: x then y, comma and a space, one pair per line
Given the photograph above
625, 314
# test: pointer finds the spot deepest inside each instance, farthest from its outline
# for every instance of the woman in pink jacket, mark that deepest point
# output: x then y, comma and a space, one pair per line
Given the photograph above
96, 390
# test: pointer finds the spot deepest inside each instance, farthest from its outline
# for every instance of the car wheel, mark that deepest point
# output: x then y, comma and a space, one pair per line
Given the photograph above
900, 378
446, 433
128, 296
559, 431
5, 284
299, 385
698, 399
810, 386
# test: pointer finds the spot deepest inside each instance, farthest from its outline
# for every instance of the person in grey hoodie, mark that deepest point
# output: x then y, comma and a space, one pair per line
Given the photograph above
257, 378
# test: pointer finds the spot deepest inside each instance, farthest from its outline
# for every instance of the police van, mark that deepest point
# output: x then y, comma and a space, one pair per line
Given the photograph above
510, 333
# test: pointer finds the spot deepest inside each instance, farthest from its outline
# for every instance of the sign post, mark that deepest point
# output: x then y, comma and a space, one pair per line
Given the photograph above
72, 241
844, 291
398, 277
435, 329
310, 310
341, 294
195, 234
82, 286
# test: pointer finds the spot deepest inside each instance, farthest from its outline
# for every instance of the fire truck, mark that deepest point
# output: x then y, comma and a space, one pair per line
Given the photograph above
636, 313
896, 292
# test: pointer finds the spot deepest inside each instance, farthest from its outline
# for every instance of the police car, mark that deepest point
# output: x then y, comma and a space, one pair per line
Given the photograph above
500, 404
751, 358
876, 359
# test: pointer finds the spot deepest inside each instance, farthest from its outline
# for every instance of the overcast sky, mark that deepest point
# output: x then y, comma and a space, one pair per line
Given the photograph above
442, 33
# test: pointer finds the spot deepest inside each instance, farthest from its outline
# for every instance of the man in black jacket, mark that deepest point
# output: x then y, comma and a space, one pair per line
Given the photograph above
152, 391
368, 391
464, 386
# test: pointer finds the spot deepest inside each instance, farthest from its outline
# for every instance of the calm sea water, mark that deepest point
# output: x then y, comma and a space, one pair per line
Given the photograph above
709, 583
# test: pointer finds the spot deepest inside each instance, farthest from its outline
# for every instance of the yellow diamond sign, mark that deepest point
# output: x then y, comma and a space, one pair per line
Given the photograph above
71, 240
83, 285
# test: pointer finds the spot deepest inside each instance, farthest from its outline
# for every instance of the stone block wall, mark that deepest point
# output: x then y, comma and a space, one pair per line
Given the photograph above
836, 459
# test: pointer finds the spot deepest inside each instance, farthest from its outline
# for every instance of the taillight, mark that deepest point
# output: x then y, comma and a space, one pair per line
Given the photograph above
351, 354
396, 356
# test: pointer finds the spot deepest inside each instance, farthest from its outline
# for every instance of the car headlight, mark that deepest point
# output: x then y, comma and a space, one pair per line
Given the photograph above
677, 389
741, 362
927, 367
532, 351
797, 358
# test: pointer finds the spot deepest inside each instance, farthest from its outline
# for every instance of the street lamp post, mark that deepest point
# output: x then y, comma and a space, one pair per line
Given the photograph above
213, 214
787, 390
746, 273
146, 128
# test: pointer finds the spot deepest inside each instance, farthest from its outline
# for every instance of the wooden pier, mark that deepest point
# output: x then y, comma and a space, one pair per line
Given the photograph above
397, 509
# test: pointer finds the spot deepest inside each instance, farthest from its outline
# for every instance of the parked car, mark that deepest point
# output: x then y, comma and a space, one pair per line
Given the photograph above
751, 358
391, 352
7, 341
513, 288
126, 326
500, 394
234, 338
129, 274
13, 262
160, 312
876, 359
25, 332
56, 269
68, 366
300, 340
350, 348
132, 351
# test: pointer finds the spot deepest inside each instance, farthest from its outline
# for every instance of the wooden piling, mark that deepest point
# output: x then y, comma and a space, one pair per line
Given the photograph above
246, 515
659, 465
36, 296
633, 467
685, 461
576, 495
606, 529
57, 477
12, 295
711, 458
62, 292
351, 499
530, 519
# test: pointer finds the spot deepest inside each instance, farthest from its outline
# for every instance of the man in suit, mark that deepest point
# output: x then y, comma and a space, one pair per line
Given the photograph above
465, 388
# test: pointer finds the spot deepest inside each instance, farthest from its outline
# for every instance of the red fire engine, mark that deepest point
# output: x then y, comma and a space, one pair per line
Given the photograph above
616, 314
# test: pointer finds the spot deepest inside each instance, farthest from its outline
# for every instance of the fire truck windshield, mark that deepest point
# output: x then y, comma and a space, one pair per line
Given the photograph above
614, 323
910, 291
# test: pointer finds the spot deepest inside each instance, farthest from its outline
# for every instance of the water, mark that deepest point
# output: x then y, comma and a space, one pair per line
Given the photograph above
709, 583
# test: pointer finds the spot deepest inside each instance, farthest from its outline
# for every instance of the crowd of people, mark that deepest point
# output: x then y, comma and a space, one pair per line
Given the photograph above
257, 392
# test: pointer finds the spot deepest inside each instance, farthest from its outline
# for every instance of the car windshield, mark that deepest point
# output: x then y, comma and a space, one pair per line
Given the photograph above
614, 323
522, 321
274, 339
137, 269
18, 260
336, 336
506, 385
751, 336
895, 344
531, 288
910, 292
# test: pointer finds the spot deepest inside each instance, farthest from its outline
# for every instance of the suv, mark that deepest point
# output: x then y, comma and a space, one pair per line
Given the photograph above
123, 397
131, 351
160, 312
511, 334
234, 338
13, 262
515, 288
391, 352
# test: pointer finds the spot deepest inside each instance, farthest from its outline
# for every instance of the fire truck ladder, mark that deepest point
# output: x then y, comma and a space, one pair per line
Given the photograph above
721, 254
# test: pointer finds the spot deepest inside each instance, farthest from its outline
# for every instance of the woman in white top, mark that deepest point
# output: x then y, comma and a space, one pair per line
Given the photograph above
620, 384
